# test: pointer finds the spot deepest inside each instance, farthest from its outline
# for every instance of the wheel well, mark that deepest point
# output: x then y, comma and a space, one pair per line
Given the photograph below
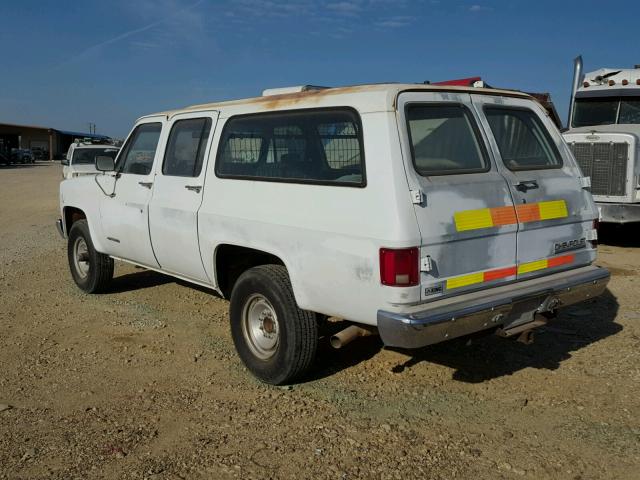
71, 216
232, 260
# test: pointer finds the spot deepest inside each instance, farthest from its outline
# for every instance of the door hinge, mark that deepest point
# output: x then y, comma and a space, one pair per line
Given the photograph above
585, 182
426, 265
417, 197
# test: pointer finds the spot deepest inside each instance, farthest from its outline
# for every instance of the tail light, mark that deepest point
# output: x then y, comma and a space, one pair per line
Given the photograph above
399, 267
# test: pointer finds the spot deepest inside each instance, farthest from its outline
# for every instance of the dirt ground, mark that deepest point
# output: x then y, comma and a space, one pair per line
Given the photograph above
143, 382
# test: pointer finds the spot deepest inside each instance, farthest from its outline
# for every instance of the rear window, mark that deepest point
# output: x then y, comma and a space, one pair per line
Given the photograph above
444, 140
87, 156
523, 141
311, 146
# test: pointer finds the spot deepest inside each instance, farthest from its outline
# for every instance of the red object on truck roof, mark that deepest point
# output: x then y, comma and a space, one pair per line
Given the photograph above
460, 82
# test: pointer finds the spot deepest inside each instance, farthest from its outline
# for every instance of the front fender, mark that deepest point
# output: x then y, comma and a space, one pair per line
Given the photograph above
82, 193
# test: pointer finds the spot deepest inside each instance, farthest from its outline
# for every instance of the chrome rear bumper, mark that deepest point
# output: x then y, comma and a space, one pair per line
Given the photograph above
619, 212
505, 307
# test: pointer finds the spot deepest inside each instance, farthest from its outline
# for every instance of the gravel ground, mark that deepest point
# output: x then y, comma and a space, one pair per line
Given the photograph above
143, 382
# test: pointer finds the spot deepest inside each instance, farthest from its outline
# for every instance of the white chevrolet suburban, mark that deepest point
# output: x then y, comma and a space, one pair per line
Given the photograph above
417, 212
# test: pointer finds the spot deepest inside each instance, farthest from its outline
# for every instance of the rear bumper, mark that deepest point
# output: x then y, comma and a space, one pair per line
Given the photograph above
619, 212
60, 228
505, 307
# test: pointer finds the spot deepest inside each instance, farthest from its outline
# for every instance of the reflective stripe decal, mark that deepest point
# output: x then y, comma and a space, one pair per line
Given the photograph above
532, 266
480, 277
500, 273
491, 275
464, 280
473, 219
499, 216
534, 212
546, 263
553, 209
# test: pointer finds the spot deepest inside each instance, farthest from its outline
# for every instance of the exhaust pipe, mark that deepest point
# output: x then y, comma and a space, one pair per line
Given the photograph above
349, 334
577, 78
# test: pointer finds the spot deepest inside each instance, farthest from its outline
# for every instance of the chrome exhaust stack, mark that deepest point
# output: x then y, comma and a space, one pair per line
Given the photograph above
577, 78
349, 334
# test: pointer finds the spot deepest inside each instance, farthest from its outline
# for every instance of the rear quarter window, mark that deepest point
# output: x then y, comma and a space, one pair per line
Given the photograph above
523, 140
322, 146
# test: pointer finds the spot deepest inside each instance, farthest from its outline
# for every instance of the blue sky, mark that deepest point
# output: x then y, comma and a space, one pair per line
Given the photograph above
67, 63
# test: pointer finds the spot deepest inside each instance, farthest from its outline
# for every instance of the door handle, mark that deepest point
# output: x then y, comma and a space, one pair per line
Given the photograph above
193, 188
526, 185
146, 184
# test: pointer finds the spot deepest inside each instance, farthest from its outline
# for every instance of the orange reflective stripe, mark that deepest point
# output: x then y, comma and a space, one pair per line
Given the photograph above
499, 216
503, 216
528, 212
499, 273
490, 275
557, 261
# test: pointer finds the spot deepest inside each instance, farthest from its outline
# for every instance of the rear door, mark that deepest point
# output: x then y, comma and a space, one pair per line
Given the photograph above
177, 194
555, 212
461, 200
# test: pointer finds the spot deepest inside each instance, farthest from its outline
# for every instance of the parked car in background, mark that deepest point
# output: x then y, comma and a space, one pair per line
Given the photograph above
81, 158
4, 159
419, 212
40, 153
22, 155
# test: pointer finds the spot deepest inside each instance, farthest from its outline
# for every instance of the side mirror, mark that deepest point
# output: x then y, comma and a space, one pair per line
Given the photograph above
105, 163
64, 161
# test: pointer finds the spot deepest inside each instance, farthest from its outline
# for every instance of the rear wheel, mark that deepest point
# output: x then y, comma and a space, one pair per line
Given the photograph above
91, 270
275, 339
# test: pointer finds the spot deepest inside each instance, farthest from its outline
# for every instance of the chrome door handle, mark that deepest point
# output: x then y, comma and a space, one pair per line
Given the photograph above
526, 185
146, 184
193, 188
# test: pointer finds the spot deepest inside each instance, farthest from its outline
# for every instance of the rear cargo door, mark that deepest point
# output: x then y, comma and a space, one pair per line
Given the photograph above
555, 211
462, 202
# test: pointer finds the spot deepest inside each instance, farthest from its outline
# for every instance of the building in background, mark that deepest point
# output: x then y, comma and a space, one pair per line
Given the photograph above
46, 143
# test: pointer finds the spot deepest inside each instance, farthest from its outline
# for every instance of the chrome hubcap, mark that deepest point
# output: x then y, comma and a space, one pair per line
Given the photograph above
81, 257
260, 326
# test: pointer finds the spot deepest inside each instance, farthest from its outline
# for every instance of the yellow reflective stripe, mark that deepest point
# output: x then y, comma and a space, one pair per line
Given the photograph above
473, 219
532, 266
464, 280
553, 209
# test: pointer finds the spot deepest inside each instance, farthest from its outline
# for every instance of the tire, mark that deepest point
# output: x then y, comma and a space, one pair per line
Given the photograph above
275, 339
92, 271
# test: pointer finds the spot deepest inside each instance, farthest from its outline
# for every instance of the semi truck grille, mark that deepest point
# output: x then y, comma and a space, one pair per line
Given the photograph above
605, 163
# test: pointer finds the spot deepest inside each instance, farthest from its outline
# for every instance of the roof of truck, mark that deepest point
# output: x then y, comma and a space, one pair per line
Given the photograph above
610, 82
369, 98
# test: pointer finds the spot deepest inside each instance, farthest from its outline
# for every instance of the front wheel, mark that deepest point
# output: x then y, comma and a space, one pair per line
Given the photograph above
275, 339
91, 270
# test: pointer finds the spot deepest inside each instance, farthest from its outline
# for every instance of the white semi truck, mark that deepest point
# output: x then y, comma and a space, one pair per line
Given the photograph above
604, 136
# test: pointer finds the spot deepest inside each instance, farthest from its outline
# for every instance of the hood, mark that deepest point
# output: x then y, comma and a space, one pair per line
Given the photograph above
630, 129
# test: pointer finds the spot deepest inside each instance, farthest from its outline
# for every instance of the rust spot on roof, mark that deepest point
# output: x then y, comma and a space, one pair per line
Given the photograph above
276, 102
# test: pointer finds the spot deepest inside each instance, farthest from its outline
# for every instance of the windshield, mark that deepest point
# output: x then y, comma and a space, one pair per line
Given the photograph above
606, 111
87, 156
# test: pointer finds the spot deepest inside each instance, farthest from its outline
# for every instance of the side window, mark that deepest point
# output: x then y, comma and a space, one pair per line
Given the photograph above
186, 146
138, 154
444, 140
310, 146
523, 141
